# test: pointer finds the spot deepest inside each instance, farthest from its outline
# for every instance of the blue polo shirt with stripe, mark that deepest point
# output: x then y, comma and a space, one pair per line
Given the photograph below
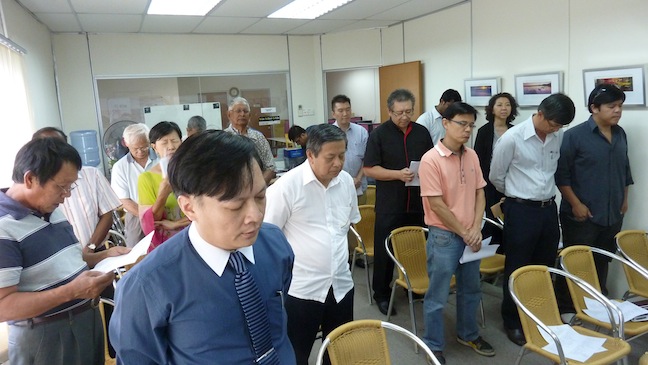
37, 252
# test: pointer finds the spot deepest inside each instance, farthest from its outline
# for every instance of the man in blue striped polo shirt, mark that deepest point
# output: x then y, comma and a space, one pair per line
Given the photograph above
45, 286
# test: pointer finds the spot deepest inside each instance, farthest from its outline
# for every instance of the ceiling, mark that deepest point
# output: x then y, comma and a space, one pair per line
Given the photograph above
228, 17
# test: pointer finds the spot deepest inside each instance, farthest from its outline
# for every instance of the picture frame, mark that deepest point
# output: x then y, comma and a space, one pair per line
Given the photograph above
531, 89
630, 79
479, 91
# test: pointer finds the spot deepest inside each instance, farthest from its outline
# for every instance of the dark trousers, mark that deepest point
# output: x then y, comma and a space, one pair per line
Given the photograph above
590, 234
531, 236
383, 265
306, 316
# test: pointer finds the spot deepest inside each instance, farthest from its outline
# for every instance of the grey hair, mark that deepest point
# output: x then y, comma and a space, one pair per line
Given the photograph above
135, 132
320, 134
197, 122
238, 100
400, 95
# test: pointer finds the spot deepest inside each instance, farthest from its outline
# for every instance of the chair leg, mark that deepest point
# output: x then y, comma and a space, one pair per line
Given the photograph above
391, 301
368, 280
481, 311
412, 315
520, 354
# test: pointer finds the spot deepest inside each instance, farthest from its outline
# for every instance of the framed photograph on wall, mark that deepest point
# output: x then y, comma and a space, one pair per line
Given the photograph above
479, 91
531, 89
630, 79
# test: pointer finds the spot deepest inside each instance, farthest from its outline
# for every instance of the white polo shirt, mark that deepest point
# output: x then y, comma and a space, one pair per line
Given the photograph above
124, 175
315, 220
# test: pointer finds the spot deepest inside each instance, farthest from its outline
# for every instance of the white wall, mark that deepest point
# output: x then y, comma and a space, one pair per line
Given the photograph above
361, 86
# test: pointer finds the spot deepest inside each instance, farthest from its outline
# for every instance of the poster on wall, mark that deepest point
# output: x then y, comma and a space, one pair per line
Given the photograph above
630, 79
479, 91
531, 89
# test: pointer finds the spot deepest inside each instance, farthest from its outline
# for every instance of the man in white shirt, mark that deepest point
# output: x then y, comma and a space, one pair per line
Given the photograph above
314, 204
524, 161
125, 173
238, 113
432, 120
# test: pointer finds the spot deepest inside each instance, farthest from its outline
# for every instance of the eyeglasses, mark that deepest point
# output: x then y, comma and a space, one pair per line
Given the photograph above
140, 150
67, 190
407, 112
463, 124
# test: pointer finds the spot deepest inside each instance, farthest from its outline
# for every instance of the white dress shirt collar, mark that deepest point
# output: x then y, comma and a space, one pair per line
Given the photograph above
308, 176
215, 257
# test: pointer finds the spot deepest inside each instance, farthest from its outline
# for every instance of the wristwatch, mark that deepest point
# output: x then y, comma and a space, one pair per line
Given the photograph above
92, 246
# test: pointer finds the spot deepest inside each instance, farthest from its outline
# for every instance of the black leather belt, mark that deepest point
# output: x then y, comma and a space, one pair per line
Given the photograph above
534, 203
31, 322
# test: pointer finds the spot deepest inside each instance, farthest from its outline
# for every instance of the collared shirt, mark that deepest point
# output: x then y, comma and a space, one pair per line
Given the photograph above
183, 313
215, 257
354, 155
455, 178
315, 220
392, 149
597, 170
125, 173
92, 198
260, 143
432, 120
523, 166
37, 252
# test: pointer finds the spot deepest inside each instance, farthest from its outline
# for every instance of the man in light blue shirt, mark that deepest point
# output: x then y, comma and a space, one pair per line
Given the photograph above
432, 119
357, 143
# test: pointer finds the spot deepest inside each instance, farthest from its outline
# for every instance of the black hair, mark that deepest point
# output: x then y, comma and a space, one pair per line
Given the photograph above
46, 131
558, 108
162, 129
604, 94
491, 104
323, 133
197, 122
215, 164
44, 157
400, 95
451, 95
339, 99
294, 132
459, 108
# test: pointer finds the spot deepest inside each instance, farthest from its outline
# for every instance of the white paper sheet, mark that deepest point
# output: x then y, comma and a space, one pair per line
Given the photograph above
414, 167
575, 346
487, 250
597, 310
112, 263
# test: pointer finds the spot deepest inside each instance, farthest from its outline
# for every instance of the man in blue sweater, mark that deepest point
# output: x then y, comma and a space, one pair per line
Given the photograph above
180, 304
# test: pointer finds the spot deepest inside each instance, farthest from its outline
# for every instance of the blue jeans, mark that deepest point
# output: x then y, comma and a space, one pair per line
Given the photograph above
444, 249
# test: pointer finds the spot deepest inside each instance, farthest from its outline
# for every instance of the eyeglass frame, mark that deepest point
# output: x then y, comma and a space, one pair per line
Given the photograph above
399, 114
463, 124
73, 186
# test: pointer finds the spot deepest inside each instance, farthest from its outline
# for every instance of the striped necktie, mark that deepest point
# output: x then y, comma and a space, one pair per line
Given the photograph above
256, 317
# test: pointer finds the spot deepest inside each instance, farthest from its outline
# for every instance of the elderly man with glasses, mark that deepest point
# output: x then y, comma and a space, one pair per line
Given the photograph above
125, 174
391, 148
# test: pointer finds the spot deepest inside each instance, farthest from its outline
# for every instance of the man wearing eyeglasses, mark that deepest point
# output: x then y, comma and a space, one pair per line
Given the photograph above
452, 189
432, 119
391, 148
238, 113
46, 290
594, 151
523, 166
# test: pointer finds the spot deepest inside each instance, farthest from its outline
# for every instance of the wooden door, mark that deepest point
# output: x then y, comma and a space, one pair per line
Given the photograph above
400, 76
258, 99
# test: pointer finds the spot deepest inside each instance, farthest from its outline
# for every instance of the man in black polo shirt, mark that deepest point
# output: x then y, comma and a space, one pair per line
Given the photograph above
390, 150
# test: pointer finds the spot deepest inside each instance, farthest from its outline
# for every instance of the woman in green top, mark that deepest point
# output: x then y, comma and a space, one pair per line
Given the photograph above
158, 206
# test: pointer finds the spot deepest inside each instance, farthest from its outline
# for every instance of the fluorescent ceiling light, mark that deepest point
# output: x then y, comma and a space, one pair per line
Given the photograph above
184, 7
307, 9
